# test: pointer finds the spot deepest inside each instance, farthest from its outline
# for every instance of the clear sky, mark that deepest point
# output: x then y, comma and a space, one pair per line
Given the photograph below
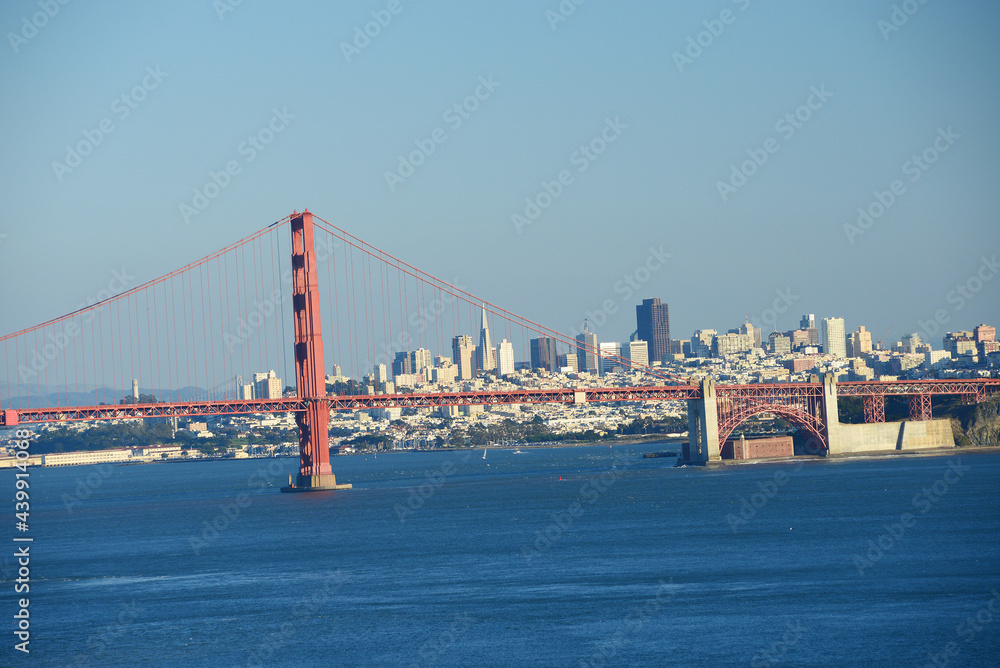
675, 115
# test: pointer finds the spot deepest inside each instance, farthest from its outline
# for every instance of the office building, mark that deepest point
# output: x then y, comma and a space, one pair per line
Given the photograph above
266, 385
935, 359
861, 342
779, 344
701, 342
984, 333
567, 363
505, 358
610, 352
808, 321
960, 343
543, 353
834, 339
731, 344
463, 353
910, 342
420, 359
586, 350
637, 353
652, 319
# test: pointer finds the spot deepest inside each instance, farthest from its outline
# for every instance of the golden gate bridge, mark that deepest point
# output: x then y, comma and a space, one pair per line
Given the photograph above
272, 300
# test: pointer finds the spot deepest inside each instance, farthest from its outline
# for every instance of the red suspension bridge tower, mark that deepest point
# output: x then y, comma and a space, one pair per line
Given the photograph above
315, 473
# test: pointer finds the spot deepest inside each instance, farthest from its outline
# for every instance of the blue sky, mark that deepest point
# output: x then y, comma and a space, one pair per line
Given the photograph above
777, 239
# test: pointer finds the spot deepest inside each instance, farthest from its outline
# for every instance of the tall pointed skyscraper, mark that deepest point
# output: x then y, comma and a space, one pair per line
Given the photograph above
485, 357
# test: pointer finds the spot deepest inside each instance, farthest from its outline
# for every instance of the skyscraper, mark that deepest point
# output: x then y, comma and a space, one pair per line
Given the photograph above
402, 364
420, 359
610, 352
568, 361
752, 332
637, 352
505, 358
462, 352
652, 319
861, 341
701, 342
586, 350
543, 353
808, 321
484, 353
834, 338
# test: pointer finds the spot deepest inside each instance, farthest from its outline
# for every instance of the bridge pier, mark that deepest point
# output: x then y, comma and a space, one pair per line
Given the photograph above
831, 415
703, 425
315, 473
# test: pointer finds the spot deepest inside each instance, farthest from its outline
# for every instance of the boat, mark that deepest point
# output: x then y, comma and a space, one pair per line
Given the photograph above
518, 452
653, 455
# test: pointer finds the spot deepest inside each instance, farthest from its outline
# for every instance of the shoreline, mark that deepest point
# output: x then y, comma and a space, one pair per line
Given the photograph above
858, 456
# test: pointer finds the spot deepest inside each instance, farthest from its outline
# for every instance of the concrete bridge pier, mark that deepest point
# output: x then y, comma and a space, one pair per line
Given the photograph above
703, 425
831, 415
913, 434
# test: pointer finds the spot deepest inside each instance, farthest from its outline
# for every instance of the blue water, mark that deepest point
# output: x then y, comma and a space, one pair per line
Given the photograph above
450, 559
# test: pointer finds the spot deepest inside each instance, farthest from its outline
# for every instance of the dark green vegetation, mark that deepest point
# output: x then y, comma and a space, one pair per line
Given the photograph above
151, 432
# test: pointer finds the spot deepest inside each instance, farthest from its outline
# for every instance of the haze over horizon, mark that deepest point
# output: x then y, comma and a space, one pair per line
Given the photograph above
497, 101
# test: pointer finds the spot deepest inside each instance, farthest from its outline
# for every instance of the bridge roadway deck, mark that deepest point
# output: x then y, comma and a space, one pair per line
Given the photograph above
973, 388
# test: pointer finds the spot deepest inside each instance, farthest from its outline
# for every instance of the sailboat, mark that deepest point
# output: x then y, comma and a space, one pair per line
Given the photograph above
484, 451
